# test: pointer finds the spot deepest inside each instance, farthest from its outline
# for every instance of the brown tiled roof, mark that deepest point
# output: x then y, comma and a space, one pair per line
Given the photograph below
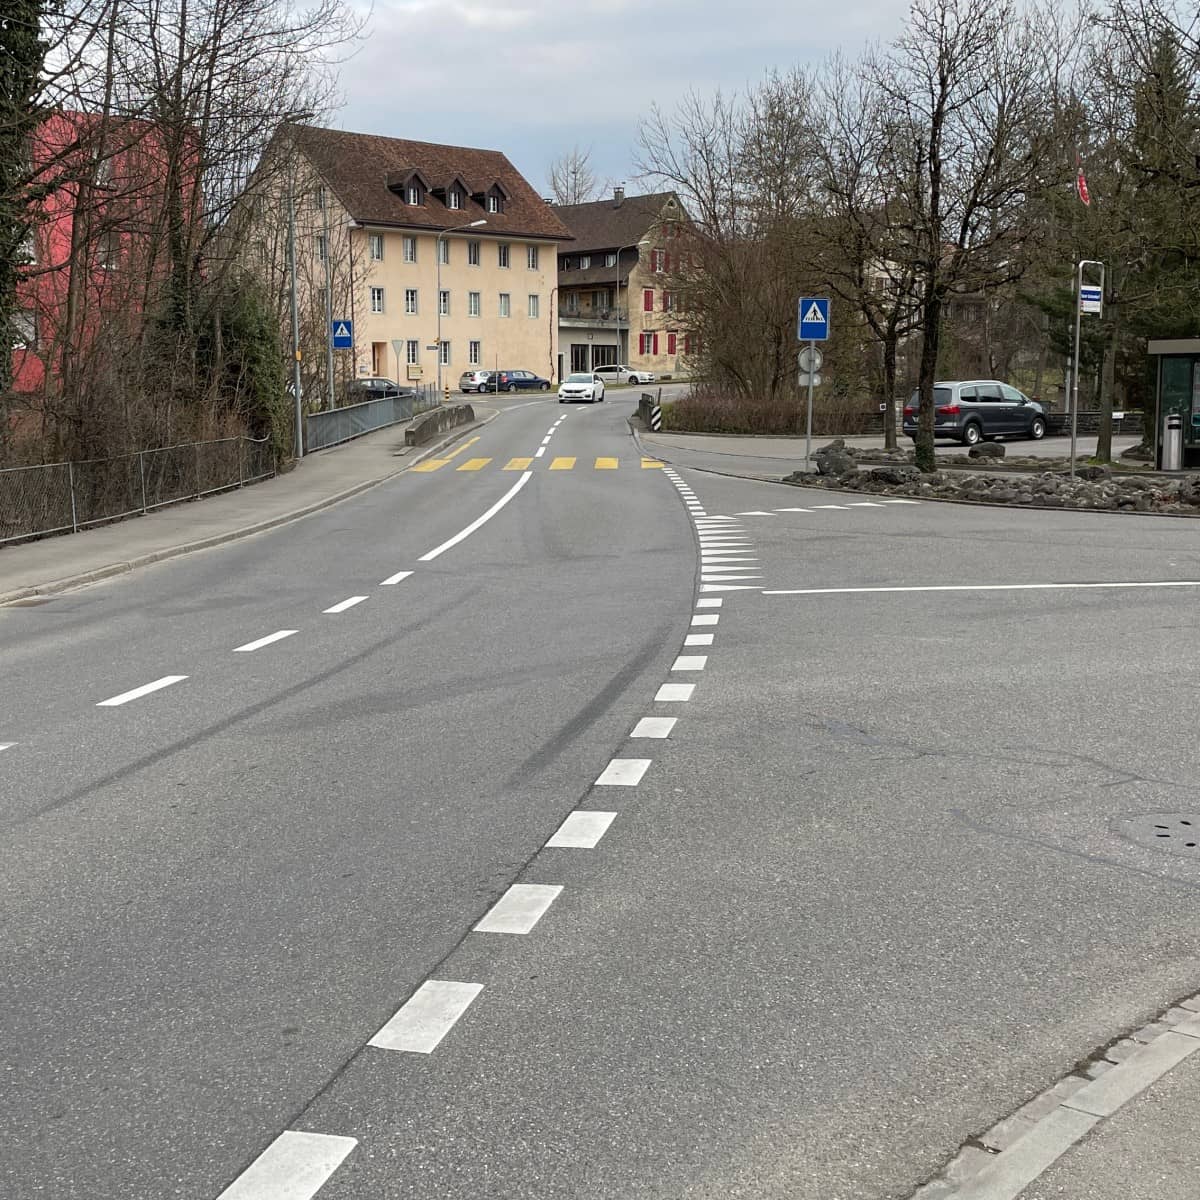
607, 224
597, 275
357, 167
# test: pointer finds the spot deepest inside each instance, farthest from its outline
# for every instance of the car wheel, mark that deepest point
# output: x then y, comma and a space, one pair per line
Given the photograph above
545, 387
512, 387
972, 435
1037, 430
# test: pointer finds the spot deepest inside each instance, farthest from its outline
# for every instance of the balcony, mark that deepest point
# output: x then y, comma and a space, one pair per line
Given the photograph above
593, 318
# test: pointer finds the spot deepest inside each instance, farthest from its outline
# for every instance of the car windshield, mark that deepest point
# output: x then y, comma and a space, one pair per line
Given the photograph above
940, 396
579, 379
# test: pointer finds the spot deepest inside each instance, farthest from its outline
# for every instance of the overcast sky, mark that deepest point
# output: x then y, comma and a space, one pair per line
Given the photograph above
534, 77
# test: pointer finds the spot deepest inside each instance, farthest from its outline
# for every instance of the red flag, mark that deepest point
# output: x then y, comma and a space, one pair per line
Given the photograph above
1081, 186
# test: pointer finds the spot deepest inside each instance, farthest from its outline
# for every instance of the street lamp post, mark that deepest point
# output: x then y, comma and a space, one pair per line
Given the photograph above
440, 236
295, 303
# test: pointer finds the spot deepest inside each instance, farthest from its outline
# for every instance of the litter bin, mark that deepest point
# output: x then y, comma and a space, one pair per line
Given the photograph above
1172, 448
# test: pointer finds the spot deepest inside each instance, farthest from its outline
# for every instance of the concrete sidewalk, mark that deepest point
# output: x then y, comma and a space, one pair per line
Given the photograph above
56, 564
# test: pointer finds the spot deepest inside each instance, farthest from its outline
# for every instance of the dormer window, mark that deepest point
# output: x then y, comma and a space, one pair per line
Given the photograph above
494, 203
454, 198
415, 195
585, 261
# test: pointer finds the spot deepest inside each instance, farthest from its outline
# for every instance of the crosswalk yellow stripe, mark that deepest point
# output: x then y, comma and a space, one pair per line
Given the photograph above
562, 464
606, 464
647, 463
474, 464
456, 453
518, 464
431, 464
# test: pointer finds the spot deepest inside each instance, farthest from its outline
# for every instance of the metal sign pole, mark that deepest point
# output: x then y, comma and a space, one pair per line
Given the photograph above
812, 346
1075, 367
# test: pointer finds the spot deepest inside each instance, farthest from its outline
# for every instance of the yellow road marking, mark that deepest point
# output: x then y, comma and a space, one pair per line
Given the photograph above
606, 464
518, 464
456, 453
647, 463
562, 464
431, 464
475, 464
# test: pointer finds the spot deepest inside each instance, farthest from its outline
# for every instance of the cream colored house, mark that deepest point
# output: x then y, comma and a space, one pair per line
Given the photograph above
437, 257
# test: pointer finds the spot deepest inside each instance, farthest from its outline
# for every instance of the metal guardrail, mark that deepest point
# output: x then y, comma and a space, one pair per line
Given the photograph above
66, 497
337, 425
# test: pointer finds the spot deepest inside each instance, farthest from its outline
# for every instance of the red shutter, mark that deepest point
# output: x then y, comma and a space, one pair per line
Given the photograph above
656, 343
666, 261
671, 343
648, 300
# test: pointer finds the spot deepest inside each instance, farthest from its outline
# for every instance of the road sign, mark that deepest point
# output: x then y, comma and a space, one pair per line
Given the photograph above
343, 335
814, 319
810, 359
805, 377
397, 345
1090, 300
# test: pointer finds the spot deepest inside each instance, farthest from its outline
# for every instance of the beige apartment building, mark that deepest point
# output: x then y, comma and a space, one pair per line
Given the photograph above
435, 256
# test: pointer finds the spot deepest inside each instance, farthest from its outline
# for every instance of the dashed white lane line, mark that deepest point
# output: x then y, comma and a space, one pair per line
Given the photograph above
480, 520
864, 504
983, 587
690, 662
728, 587
392, 580
673, 692
838, 506
265, 641
426, 1016
756, 513
710, 603
519, 909
623, 772
7, 745
138, 692
698, 639
654, 727
582, 830
546, 440
539, 452
706, 619
342, 605
900, 502
793, 510
295, 1166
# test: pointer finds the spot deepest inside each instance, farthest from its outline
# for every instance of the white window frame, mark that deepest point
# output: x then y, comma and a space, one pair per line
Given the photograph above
474, 304
444, 353
505, 305
410, 248
444, 302
454, 199
531, 257
474, 353
412, 352
375, 246
414, 193
610, 260
412, 302
535, 305
377, 300
502, 255
493, 203
473, 254
585, 261
444, 251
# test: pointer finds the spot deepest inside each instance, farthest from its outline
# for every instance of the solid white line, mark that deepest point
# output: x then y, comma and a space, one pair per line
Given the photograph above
623, 772
138, 692
295, 1166
654, 727
342, 605
519, 909
706, 619
690, 662
675, 691
581, 830
984, 587
394, 579
539, 452
264, 641
709, 603
426, 1016
482, 520
698, 639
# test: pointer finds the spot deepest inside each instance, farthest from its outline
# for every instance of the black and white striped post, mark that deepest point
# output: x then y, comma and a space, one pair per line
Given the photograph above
656, 416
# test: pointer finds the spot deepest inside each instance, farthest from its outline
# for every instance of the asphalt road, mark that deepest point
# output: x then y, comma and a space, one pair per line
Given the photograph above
869, 894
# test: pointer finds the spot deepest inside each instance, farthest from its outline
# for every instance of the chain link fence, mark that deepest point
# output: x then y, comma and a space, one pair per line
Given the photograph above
337, 425
67, 497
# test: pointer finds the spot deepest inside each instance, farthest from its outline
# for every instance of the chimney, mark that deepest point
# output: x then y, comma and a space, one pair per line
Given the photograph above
618, 195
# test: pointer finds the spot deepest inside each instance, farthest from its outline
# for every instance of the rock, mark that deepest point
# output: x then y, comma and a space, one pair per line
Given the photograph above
1002, 495
1095, 472
986, 450
834, 460
895, 475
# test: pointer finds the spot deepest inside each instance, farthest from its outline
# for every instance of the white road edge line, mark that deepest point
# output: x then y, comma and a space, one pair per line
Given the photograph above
264, 641
623, 772
982, 587
481, 520
392, 580
295, 1166
138, 692
421, 1022
342, 605
582, 830
519, 909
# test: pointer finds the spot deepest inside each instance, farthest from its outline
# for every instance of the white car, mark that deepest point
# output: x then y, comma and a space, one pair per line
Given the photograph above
618, 373
584, 385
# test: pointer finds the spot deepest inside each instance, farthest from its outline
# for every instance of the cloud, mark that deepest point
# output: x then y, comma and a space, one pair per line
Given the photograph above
533, 77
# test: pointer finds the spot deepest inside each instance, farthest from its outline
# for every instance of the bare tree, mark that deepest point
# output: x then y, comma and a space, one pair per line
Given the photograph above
572, 179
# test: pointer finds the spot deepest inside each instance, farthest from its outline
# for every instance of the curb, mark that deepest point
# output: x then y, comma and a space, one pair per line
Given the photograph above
69, 582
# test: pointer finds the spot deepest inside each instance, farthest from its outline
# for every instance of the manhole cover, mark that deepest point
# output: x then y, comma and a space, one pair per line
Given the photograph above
1177, 833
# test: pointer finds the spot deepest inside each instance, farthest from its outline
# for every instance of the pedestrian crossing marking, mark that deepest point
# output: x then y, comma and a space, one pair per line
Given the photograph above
562, 464
518, 464
650, 463
474, 464
606, 464
431, 464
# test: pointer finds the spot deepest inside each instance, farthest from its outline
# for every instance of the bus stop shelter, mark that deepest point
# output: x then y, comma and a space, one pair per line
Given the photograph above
1177, 391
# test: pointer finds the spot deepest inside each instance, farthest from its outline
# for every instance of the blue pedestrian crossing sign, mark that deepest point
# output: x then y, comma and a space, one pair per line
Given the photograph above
343, 335
814, 319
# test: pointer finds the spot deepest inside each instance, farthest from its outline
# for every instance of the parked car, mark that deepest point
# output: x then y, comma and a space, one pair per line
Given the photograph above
512, 381
473, 381
618, 373
970, 410
375, 387
583, 385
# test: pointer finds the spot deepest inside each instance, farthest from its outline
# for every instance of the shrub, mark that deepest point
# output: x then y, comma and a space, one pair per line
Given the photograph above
709, 410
